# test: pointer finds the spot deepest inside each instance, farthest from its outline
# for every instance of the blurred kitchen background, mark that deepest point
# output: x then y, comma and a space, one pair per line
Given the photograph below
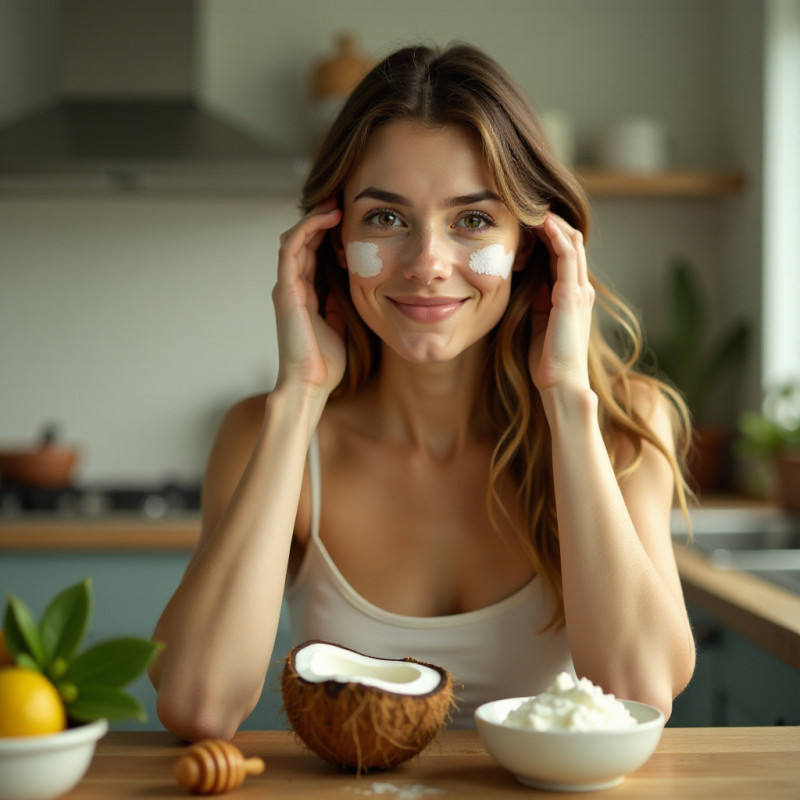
135, 290
134, 317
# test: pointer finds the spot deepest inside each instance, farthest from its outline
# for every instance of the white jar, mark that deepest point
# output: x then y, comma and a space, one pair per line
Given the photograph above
635, 144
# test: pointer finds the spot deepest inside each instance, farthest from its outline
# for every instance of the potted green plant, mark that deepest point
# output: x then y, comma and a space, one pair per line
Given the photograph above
696, 362
56, 701
773, 438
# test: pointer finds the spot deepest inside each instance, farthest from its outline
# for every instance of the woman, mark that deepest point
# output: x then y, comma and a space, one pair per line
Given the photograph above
453, 464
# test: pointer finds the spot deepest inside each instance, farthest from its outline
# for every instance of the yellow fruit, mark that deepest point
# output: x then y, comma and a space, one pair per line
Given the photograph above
5, 655
29, 704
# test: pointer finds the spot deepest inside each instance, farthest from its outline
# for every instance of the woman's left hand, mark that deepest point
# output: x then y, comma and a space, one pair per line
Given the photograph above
562, 319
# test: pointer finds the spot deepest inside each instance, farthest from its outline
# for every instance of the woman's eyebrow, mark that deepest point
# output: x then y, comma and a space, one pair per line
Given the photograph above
374, 193
475, 197
385, 197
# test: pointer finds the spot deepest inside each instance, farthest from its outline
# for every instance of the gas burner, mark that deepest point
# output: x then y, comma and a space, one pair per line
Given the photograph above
152, 502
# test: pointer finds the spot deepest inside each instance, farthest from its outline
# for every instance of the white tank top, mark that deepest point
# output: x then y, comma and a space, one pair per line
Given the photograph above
493, 652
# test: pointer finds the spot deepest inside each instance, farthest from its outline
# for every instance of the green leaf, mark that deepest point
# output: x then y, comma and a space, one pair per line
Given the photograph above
21, 632
727, 351
760, 436
687, 313
109, 702
65, 621
25, 661
115, 662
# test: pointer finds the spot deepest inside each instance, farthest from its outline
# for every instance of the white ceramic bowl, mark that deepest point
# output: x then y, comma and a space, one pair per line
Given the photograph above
45, 767
569, 760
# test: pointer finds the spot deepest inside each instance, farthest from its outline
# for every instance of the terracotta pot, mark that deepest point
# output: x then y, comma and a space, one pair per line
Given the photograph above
48, 466
708, 458
787, 480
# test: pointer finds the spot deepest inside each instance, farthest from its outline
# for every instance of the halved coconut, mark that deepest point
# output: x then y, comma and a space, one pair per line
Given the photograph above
361, 712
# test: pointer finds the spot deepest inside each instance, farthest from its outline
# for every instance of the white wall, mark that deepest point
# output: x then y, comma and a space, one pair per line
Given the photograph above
135, 321
596, 60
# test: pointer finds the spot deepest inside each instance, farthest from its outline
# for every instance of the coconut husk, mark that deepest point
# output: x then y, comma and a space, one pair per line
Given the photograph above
362, 727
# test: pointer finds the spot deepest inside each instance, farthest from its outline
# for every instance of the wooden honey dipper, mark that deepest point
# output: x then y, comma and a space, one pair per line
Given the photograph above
215, 766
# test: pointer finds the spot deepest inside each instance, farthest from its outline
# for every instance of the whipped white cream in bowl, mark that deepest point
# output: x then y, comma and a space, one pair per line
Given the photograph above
571, 737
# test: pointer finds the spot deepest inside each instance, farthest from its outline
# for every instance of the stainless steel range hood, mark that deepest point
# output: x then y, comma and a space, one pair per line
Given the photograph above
127, 116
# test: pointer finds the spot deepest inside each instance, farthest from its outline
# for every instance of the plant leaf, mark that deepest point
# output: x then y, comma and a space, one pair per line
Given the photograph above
109, 702
727, 351
760, 436
26, 661
112, 663
21, 631
687, 313
65, 621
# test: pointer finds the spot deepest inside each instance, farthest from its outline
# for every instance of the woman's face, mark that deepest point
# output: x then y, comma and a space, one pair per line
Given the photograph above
429, 245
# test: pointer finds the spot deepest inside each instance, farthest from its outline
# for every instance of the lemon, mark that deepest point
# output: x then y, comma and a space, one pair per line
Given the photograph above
29, 704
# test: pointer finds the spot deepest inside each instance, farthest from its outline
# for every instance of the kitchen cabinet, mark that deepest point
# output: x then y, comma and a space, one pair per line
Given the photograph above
735, 683
130, 588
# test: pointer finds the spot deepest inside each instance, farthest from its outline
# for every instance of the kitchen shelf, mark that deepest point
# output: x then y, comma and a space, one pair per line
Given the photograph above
673, 184
120, 532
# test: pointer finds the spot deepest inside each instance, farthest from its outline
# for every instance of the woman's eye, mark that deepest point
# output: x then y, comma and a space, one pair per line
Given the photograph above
383, 219
475, 222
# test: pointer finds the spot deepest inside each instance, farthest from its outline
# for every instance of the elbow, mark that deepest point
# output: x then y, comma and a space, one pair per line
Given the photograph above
662, 700
193, 721
662, 693
199, 712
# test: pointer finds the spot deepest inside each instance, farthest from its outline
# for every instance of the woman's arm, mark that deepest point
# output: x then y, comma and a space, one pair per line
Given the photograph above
626, 619
219, 627
625, 615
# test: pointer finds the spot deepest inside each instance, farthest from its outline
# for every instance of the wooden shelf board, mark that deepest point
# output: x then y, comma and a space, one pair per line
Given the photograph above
686, 184
103, 534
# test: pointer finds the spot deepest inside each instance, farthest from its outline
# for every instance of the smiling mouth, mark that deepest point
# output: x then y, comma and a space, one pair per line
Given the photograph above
427, 309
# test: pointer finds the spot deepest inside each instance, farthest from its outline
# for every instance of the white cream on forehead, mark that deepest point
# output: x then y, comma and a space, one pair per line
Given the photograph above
363, 259
492, 260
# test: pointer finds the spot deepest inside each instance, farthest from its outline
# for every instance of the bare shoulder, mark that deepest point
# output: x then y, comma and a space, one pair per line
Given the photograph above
239, 429
235, 439
650, 403
653, 409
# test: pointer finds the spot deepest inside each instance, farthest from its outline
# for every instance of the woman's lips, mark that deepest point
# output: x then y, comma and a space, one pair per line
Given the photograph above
427, 309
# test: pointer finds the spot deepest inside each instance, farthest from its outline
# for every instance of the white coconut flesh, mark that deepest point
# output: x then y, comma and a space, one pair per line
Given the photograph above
320, 662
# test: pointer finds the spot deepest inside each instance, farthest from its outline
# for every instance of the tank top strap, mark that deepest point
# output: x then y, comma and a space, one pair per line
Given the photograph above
314, 478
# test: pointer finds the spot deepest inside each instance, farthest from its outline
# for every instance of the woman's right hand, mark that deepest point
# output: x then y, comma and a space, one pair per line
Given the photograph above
311, 350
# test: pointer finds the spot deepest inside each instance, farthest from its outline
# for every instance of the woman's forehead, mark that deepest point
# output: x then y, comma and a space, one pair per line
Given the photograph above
409, 158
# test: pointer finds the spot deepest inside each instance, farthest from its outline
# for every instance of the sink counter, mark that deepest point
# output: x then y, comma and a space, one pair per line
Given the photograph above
766, 614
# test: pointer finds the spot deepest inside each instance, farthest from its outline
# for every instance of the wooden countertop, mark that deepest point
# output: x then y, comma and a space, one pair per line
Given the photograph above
690, 763
116, 532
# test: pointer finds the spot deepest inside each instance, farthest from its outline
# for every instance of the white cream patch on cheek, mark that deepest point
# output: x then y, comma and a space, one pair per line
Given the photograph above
492, 260
363, 259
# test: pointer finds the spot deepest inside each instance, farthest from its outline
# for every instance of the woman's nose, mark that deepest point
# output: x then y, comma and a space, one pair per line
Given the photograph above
428, 259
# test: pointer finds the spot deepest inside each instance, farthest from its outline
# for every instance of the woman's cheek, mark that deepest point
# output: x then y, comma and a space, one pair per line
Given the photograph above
363, 259
492, 260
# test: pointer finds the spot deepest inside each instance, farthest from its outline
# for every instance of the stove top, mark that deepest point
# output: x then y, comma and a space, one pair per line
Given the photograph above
150, 501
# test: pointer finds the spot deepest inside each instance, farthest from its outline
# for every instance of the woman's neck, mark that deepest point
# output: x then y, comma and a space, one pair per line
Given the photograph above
434, 408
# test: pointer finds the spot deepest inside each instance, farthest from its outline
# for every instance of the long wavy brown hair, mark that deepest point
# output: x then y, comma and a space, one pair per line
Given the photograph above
464, 87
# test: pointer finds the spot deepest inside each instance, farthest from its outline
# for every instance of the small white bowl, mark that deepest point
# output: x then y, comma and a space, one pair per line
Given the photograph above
569, 761
45, 767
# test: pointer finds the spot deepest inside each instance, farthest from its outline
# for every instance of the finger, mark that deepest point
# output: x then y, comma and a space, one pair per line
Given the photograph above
299, 243
575, 237
563, 249
326, 207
